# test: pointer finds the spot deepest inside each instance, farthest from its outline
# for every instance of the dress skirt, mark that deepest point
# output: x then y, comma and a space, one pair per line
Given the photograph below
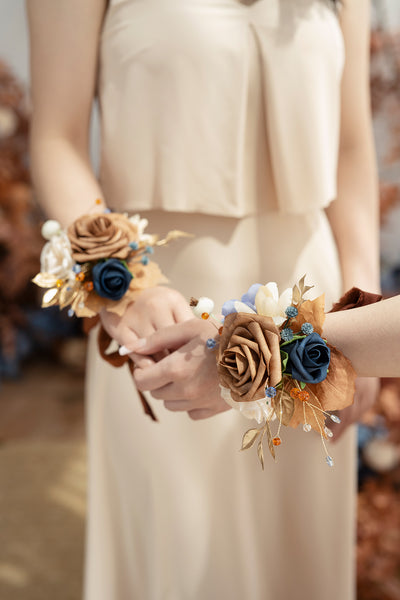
176, 512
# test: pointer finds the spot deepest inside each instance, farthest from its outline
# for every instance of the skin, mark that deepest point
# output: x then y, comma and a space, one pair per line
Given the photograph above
369, 336
64, 59
64, 37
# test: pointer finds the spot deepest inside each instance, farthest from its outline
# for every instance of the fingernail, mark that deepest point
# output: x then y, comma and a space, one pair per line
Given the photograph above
124, 350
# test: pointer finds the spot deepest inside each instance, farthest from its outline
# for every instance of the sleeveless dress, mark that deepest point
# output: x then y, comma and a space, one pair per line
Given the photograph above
220, 119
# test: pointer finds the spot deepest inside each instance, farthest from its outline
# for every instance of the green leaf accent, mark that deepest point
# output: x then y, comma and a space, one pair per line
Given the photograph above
284, 359
302, 384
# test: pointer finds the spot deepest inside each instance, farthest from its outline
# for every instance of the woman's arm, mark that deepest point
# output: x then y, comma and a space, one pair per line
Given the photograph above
64, 36
369, 336
64, 41
354, 214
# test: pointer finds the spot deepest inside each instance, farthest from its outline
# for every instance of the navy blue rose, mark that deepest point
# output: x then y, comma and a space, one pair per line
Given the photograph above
308, 358
111, 279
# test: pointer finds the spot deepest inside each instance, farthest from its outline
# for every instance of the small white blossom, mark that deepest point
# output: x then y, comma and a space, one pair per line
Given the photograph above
56, 258
204, 305
270, 304
141, 225
51, 228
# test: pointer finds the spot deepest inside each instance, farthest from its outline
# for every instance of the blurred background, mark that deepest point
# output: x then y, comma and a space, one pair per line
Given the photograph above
42, 359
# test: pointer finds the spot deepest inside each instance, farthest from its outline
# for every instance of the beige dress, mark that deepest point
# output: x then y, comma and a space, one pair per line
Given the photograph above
220, 119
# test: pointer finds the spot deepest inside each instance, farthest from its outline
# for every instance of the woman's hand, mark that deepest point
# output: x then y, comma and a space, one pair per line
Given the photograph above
155, 308
186, 379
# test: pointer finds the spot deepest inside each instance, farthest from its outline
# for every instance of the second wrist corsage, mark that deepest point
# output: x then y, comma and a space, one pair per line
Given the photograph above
102, 261
275, 366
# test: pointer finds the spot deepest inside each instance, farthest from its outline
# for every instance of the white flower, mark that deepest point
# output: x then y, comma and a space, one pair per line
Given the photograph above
51, 228
260, 410
241, 307
204, 305
141, 225
56, 258
270, 304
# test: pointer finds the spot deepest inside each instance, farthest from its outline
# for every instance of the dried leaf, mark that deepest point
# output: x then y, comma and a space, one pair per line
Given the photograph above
337, 390
307, 288
301, 284
260, 453
311, 311
296, 294
249, 438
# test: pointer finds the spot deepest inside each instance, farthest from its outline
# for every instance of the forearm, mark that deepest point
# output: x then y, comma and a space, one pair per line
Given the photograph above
64, 182
64, 46
369, 336
354, 218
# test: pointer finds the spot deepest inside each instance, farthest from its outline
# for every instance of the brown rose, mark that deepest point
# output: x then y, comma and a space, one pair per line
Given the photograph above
99, 236
249, 357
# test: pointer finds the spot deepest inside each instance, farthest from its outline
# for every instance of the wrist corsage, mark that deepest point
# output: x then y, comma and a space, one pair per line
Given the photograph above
275, 366
102, 261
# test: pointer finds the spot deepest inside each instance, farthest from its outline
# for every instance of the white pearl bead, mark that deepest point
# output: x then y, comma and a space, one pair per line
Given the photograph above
50, 229
204, 305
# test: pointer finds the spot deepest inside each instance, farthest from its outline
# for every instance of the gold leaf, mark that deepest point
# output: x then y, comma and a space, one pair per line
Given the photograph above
307, 288
173, 235
260, 453
45, 280
301, 284
269, 438
249, 438
284, 407
50, 298
296, 294
68, 293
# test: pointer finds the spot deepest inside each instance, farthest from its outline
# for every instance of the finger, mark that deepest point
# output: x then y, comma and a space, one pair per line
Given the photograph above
177, 405
157, 375
162, 318
182, 312
170, 338
141, 362
205, 413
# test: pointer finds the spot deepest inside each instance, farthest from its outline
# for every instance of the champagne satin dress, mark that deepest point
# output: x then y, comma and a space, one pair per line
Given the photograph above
220, 119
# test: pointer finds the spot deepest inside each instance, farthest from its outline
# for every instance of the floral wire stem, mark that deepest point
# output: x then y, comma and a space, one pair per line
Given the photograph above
322, 436
304, 414
280, 413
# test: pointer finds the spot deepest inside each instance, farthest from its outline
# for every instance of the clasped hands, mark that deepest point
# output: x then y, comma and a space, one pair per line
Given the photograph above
168, 347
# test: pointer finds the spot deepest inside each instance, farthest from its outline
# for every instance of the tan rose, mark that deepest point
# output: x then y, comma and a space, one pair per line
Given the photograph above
249, 356
105, 235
